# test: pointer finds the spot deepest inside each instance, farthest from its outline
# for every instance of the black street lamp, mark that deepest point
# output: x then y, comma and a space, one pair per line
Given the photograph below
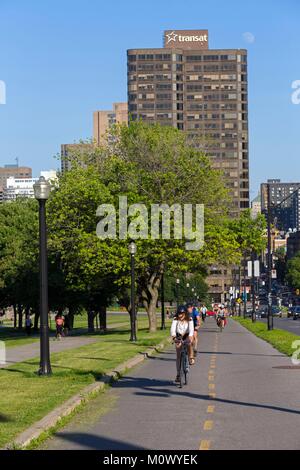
245, 287
177, 292
270, 263
132, 252
162, 300
42, 192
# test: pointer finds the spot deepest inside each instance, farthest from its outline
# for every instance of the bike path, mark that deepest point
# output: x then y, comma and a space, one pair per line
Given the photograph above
242, 394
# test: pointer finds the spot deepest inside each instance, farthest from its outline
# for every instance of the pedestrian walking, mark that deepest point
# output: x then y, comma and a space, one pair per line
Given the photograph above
28, 325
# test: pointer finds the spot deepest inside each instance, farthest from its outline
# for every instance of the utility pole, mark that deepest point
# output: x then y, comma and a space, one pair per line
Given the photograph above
253, 289
245, 288
270, 266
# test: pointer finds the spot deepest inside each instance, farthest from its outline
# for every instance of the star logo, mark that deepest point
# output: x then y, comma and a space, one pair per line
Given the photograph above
171, 37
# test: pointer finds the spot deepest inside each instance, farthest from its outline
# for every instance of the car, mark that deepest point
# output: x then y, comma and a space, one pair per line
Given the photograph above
276, 311
210, 313
296, 313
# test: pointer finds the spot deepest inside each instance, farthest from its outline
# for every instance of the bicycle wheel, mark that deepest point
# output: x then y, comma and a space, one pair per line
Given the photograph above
186, 368
181, 372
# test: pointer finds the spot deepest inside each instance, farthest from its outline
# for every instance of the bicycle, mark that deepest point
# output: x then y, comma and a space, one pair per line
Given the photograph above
184, 366
221, 323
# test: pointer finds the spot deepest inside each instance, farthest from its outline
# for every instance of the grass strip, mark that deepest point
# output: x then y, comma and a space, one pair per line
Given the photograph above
281, 340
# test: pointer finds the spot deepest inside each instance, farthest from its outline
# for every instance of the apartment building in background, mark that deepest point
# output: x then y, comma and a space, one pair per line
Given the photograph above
23, 187
14, 171
104, 120
286, 216
201, 91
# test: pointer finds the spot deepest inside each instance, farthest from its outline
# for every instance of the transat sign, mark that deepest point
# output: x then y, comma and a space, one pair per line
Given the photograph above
186, 39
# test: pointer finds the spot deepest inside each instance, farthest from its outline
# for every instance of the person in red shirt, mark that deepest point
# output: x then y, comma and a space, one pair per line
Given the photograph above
59, 322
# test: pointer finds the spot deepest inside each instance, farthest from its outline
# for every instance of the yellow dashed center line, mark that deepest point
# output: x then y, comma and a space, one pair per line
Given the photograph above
204, 445
208, 425
210, 409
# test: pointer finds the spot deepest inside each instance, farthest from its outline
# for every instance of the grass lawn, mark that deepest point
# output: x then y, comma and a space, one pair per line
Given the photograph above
280, 339
26, 398
13, 337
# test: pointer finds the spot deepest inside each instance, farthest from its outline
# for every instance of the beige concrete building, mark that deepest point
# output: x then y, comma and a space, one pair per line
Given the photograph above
104, 120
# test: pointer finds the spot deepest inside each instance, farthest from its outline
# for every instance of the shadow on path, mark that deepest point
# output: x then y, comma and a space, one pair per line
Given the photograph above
91, 441
149, 387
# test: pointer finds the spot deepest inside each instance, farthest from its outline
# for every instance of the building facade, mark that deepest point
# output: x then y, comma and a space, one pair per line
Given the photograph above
14, 171
23, 187
286, 217
293, 244
104, 120
201, 91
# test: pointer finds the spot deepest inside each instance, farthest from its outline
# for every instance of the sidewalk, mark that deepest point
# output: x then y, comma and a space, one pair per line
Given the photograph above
243, 394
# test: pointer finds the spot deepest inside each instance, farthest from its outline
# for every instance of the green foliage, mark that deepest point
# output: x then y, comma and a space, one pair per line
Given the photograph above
250, 234
293, 272
19, 253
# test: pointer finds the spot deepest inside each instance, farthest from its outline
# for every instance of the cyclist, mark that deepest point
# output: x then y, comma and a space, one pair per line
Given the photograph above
203, 312
221, 315
59, 322
197, 324
182, 329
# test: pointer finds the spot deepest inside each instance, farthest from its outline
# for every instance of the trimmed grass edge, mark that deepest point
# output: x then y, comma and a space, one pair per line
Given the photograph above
281, 340
57, 418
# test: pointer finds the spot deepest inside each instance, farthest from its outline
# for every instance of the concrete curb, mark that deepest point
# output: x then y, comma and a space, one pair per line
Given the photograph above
53, 418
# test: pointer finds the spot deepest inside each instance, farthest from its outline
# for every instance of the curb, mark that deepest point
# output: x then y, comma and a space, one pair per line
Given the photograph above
52, 419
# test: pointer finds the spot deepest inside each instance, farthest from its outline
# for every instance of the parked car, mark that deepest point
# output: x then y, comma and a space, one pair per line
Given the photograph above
296, 313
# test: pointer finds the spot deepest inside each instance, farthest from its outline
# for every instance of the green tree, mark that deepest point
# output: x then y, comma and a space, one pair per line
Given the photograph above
293, 272
148, 165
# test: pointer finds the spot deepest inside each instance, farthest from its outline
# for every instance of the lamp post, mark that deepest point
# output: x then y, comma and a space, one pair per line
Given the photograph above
177, 292
270, 313
245, 288
163, 323
42, 192
132, 252
253, 288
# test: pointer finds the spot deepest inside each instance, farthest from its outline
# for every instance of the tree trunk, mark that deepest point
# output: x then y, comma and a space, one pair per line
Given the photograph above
103, 319
150, 297
71, 318
20, 315
91, 318
15, 316
36, 321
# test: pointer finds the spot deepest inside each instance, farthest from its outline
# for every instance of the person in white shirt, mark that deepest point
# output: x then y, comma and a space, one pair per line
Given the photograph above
182, 328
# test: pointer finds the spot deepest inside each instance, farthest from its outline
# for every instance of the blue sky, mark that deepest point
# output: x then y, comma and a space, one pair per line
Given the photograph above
63, 59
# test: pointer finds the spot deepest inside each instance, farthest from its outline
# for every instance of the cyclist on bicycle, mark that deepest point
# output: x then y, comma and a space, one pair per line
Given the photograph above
221, 315
194, 312
203, 312
182, 329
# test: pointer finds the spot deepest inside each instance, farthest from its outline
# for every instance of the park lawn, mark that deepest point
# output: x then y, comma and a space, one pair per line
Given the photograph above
13, 337
26, 398
280, 339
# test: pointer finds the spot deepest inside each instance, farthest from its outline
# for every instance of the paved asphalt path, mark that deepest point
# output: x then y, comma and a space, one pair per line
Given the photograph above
242, 395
